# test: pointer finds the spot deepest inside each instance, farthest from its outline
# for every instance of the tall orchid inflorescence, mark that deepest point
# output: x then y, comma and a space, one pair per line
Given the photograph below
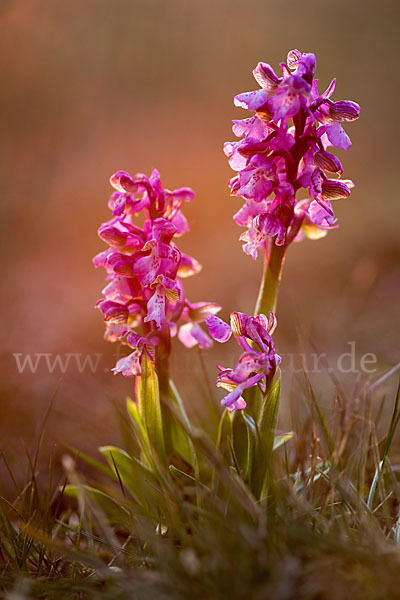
283, 151
144, 299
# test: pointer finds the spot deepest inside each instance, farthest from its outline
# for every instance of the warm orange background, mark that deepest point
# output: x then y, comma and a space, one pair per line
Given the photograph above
92, 87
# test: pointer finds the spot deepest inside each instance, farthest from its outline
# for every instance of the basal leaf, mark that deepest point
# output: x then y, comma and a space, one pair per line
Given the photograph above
114, 511
176, 426
140, 431
150, 407
266, 436
244, 441
138, 479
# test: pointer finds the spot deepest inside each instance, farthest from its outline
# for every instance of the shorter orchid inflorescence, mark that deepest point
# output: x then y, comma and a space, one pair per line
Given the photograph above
284, 150
259, 361
144, 299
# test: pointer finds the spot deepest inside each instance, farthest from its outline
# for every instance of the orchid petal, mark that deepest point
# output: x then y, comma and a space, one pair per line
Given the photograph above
218, 329
251, 100
337, 136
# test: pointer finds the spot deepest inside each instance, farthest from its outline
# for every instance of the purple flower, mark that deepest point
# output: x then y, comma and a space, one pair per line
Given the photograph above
144, 299
218, 329
191, 334
289, 97
252, 100
164, 288
258, 363
254, 239
249, 210
271, 226
344, 110
257, 180
266, 77
283, 149
315, 220
333, 134
114, 312
130, 365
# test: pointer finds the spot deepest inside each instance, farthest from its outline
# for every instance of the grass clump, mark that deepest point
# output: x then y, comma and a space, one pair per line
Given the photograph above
194, 516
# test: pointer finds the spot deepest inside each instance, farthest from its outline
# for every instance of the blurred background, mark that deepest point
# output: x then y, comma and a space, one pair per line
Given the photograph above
92, 87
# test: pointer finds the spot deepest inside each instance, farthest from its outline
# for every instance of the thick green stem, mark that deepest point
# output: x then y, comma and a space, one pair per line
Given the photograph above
268, 294
266, 302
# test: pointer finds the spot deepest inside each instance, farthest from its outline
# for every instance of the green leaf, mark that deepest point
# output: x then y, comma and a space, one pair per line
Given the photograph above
253, 398
394, 421
140, 431
181, 476
138, 479
178, 403
176, 427
266, 438
324, 426
114, 511
77, 454
223, 443
244, 431
179, 442
224, 433
150, 407
280, 440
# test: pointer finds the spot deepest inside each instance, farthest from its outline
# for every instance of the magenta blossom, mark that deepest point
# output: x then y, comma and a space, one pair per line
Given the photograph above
284, 149
144, 299
259, 361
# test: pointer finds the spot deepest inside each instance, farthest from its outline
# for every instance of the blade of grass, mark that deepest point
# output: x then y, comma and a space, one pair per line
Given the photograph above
388, 442
323, 424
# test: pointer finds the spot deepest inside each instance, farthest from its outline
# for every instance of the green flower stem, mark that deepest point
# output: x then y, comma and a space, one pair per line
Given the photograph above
268, 294
266, 302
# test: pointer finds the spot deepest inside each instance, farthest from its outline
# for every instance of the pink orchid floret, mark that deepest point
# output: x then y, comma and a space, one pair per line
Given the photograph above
259, 361
283, 150
144, 299
131, 364
190, 333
